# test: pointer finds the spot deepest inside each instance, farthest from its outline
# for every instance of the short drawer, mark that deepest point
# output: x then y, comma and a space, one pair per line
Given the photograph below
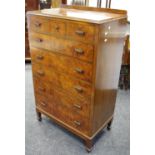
80, 32
77, 88
40, 41
57, 27
47, 26
39, 24
63, 64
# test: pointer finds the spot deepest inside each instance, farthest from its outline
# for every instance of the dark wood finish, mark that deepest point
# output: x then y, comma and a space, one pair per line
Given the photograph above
38, 115
109, 125
76, 67
89, 145
29, 6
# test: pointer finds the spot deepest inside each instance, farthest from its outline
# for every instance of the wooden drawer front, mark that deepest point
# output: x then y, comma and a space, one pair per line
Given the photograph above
80, 50
74, 106
80, 32
74, 67
67, 47
40, 40
76, 121
60, 97
39, 24
57, 27
48, 42
43, 102
43, 88
77, 88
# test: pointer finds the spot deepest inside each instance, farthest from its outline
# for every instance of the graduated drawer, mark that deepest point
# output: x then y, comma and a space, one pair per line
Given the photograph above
45, 25
63, 64
67, 47
71, 118
43, 102
72, 86
71, 105
81, 31
62, 99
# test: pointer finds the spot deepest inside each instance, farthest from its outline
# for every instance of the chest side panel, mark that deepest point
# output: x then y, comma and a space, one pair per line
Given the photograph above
108, 64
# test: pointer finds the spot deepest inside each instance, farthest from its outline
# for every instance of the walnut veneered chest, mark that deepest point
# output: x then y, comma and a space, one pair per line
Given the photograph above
76, 57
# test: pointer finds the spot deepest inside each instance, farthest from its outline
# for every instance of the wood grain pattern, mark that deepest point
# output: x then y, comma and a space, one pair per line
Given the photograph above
77, 88
63, 64
80, 32
76, 65
72, 48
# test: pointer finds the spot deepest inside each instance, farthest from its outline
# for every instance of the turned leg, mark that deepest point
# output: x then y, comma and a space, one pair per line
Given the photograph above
109, 125
89, 145
38, 115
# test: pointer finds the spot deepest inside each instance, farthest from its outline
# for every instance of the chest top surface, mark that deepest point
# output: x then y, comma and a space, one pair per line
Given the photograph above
79, 15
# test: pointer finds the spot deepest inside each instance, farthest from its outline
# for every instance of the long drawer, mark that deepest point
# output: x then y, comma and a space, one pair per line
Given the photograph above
77, 88
44, 103
76, 121
63, 64
59, 45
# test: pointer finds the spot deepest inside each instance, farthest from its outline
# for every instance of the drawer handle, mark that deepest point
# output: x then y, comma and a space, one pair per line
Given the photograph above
40, 57
77, 123
79, 70
41, 89
79, 50
39, 40
43, 104
79, 89
37, 24
41, 73
79, 32
77, 106
57, 28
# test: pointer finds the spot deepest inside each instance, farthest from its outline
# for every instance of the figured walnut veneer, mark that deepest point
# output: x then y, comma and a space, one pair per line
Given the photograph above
76, 64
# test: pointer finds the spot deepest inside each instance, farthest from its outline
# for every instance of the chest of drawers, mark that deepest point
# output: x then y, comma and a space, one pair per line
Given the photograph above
76, 57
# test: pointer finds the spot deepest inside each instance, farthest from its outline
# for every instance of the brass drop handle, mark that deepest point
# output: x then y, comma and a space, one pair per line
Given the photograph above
37, 24
43, 104
77, 123
79, 32
41, 73
77, 106
79, 50
57, 28
40, 57
41, 89
79, 70
79, 89
39, 40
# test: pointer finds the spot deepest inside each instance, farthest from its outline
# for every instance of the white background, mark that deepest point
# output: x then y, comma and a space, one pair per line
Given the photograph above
12, 78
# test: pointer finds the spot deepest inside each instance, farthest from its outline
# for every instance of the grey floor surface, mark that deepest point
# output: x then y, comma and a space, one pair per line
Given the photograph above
47, 138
